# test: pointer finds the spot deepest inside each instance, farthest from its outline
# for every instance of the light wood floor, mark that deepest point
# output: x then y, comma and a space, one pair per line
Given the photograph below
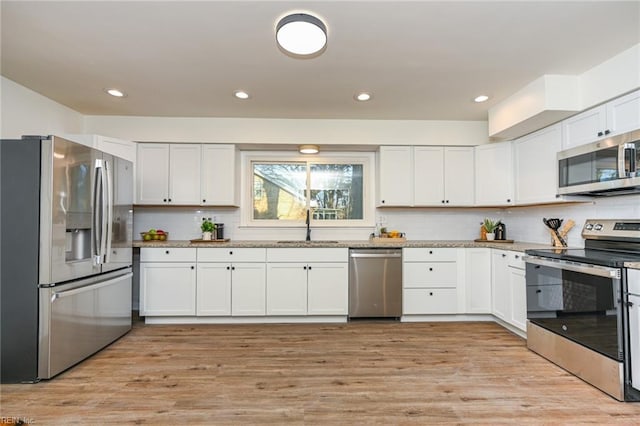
356, 373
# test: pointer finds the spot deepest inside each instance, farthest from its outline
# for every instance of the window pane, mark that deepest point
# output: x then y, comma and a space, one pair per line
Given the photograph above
336, 191
279, 191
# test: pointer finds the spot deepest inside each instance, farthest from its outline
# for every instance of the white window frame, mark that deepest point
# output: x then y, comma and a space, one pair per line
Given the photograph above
367, 159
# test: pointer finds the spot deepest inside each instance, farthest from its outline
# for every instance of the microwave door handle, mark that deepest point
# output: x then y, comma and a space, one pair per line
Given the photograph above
109, 210
97, 212
626, 150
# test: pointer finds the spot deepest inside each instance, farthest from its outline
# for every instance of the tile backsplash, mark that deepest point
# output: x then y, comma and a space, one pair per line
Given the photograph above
523, 223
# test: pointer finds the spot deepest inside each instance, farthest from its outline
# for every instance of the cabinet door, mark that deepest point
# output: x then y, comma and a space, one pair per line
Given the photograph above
478, 280
213, 289
428, 163
494, 174
248, 289
328, 289
536, 165
623, 114
518, 288
167, 289
219, 181
459, 176
584, 128
287, 288
152, 173
184, 174
500, 289
395, 174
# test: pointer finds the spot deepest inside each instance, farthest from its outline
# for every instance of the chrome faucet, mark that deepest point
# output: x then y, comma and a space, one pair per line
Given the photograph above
308, 223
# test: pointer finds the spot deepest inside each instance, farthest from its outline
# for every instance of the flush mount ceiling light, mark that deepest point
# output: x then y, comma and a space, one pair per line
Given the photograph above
241, 94
115, 93
481, 98
301, 35
308, 149
362, 96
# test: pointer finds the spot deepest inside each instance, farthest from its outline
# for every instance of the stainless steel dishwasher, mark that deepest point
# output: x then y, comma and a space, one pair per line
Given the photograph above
375, 283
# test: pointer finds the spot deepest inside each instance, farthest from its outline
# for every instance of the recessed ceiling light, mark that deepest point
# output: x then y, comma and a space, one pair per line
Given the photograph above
481, 98
362, 96
308, 149
301, 35
115, 92
241, 94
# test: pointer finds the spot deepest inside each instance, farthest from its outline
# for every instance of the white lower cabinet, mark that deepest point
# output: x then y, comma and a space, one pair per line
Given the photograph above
509, 301
167, 288
167, 282
214, 289
430, 281
317, 286
248, 289
328, 289
287, 289
478, 280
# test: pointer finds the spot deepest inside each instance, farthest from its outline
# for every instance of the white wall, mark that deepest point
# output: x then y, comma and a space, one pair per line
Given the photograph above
25, 112
290, 131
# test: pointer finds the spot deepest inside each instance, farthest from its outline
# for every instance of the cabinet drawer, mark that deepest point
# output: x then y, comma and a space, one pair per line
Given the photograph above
230, 254
429, 301
429, 274
308, 255
429, 254
515, 259
155, 254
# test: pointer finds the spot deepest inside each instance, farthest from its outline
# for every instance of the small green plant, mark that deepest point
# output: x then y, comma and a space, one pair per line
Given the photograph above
490, 225
207, 225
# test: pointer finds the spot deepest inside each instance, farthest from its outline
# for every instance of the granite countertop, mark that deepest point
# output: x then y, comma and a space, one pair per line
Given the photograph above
516, 246
632, 265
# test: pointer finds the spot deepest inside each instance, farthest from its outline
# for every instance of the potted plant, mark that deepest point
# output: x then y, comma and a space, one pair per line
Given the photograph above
207, 229
490, 226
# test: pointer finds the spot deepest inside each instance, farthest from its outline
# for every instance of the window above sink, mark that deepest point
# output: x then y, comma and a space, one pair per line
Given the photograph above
281, 187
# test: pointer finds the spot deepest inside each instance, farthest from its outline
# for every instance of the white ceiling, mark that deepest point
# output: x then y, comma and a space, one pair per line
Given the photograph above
420, 59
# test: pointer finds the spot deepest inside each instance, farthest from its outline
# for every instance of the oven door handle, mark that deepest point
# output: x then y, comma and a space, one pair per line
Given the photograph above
600, 271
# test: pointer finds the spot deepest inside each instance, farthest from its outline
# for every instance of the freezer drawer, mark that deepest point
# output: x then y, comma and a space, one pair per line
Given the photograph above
79, 319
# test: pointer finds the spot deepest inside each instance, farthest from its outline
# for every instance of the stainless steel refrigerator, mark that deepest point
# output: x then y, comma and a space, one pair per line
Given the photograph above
66, 254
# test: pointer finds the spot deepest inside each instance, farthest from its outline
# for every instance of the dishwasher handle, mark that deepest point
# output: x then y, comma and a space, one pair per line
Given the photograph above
376, 255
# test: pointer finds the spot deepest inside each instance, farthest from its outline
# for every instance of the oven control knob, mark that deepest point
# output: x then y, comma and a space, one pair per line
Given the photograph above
588, 226
598, 227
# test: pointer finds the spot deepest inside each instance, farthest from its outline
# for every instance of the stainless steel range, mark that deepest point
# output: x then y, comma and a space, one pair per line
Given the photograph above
580, 313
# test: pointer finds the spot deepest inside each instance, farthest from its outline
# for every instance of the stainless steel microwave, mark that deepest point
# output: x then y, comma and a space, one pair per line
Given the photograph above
608, 167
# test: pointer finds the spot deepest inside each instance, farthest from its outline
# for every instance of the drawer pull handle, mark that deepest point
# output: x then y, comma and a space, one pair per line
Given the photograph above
430, 252
430, 293
430, 269
231, 252
193, 267
167, 252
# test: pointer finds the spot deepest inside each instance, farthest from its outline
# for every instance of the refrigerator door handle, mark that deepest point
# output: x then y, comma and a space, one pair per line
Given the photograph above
109, 211
96, 213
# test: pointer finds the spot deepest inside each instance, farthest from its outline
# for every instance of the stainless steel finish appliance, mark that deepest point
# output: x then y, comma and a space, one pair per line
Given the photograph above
607, 167
66, 254
580, 308
375, 283
633, 303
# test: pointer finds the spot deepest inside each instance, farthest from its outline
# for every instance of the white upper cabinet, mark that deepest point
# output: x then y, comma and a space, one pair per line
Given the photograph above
219, 178
187, 174
184, 174
494, 174
428, 163
395, 174
459, 174
425, 176
536, 165
615, 117
152, 173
